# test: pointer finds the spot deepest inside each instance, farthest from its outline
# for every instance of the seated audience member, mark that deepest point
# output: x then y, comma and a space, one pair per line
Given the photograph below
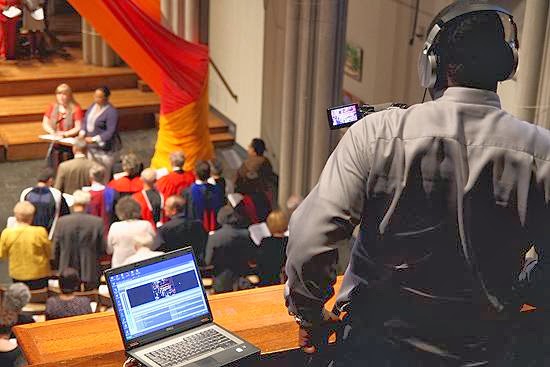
74, 174
257, 163
10, 354
120, 238
103, 199
130, 183
27, 249
178, 180
216, 178
48, 201
15, 298
271, 256
228, 249
149, 199
203, 199
180, 231
79, 241
67, 304
142, 247
255, 204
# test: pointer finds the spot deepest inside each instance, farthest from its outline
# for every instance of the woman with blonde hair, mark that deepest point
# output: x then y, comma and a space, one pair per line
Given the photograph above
27, 248
272, 251
63, 118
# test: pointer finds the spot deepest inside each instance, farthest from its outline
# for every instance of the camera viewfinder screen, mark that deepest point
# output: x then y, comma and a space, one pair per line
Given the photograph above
344, 115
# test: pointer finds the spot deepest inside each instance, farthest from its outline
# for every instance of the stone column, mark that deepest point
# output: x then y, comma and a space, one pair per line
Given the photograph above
191, 22
312, 82
532, 47
86, 41
173, 16
95, 50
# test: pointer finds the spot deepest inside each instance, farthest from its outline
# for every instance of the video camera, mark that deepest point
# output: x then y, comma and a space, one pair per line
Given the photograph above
344, 116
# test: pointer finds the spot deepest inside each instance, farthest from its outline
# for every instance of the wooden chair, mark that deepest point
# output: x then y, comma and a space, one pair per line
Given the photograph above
37, 304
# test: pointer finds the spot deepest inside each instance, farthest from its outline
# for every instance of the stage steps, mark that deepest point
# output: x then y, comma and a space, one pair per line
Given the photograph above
35, 79
20, 139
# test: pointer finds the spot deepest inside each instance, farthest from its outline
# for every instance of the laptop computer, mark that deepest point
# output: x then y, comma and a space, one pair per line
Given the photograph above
164, 316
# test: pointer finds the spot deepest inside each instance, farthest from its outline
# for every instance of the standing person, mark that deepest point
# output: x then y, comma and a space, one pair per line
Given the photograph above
62, 118
8, 31
130, 183
100, 129
150, 200
439, 189
120, 239
180, 231
228, 249
271, 256
143, 244
35, 27
74, 174
178, 180
216, 178
79, 241
48, 201
203, 199
27, 249
103, 199
257, 164
67, 304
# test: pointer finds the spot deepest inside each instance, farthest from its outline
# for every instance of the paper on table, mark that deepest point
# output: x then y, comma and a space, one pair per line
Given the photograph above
38, 14
12, 12
258, 232
52, 137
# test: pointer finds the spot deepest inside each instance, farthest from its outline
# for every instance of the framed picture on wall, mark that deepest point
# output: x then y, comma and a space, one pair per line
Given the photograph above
353, 66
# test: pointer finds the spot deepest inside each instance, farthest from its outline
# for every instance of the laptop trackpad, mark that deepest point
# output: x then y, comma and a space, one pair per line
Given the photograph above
207, 362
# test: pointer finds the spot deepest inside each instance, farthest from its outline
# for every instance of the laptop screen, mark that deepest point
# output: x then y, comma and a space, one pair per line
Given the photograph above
158, 295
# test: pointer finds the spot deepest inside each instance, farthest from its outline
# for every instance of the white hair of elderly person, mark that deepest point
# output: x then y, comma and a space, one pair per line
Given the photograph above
16, 297
143, 242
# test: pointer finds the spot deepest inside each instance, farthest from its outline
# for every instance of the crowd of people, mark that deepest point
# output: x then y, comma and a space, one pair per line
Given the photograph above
76, 219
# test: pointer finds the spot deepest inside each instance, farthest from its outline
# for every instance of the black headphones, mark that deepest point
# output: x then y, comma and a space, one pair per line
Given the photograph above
428, 62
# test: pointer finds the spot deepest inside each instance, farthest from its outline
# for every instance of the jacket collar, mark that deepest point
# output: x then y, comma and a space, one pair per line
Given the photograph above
471, 96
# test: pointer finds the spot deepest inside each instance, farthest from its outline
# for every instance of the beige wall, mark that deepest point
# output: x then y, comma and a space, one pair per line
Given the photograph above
382, 28
236, 41
389, 63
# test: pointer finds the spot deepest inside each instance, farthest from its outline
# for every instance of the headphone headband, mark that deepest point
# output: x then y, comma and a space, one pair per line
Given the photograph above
427, 63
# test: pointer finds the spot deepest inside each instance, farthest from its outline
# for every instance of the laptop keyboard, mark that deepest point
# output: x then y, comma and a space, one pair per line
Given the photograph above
190, 347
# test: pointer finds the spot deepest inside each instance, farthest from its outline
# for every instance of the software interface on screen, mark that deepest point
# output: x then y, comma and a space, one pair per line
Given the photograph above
344, 115
157, 296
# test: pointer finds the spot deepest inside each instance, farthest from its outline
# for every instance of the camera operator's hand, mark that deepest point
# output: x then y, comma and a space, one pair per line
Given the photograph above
311, 338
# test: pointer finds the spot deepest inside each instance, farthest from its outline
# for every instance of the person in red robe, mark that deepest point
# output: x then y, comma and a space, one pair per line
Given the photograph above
129, 183
178, 180
8, 31
150, 200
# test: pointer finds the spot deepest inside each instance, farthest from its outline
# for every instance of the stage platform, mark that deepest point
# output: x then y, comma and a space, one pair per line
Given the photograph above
27, 87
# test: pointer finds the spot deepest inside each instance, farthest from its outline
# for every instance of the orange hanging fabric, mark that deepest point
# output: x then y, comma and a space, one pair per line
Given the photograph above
175, 69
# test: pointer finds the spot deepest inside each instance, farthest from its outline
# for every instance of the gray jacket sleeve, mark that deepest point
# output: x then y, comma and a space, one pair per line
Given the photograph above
325, 217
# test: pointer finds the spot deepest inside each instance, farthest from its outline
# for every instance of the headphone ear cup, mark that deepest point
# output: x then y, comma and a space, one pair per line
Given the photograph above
427, 69
513, 59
